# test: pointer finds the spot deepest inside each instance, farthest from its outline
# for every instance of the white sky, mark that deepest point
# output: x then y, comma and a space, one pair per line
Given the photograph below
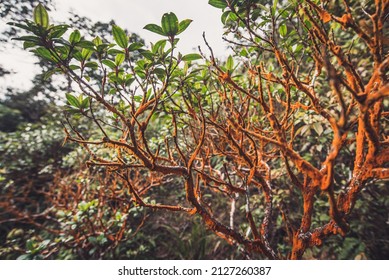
132, 15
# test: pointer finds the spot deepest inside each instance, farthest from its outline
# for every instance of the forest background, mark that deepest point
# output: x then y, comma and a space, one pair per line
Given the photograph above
55, 206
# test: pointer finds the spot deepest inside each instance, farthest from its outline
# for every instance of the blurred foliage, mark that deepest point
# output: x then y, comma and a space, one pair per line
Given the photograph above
56, 200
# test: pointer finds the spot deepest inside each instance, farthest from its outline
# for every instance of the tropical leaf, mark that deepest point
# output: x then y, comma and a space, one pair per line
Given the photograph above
119, 36
73, 101
221, 4
109, 63
155, 28
230, 63
169, 24
119, 59
191, 56
75, 37
183, 25
41, 17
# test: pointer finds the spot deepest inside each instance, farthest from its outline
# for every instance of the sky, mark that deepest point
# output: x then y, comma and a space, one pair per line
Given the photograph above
132, 15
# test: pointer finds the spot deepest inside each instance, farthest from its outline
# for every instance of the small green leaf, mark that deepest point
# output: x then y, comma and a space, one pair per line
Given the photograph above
91, 64
119, 59
58, 31
138, 98
22, 26
85, 103
27, 45
86, 44
263, 7
230, 63
191, 56
77, 55
283, 30
97, 41
74, 67
28, 39
169, 24
159, 45
41, 16
161, 73
244, 53
221, 4
73, 101
183, 25
154, 28
44, 53
75, 37
86, 53
147, 54
114, 51
109, 63
119, 36
274, 8
225, 16
135, 46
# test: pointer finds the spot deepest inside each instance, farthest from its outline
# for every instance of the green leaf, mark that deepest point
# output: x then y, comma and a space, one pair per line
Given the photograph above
44, 53
77, 55
154, 28
75, 37
119, 36
85, 103
263, 7
147, 54
161, 73
28, 44
135, 46
244, 52
230, 63
225, 16
183, 25
283, 30
114, 51
169, 24
119, 59
109, 63
86, 45
74, 67
22, 26
221, 4
86, 53
58, 31
138, 98
41, 16
34, 39
91, 64
274, 8
73, 101
97, 41
191, 56
159, 45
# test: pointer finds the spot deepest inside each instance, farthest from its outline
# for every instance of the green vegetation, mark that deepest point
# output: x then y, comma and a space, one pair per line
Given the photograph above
278, 152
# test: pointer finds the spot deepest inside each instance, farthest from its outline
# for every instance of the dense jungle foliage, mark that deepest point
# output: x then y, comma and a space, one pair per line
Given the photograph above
122, 150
